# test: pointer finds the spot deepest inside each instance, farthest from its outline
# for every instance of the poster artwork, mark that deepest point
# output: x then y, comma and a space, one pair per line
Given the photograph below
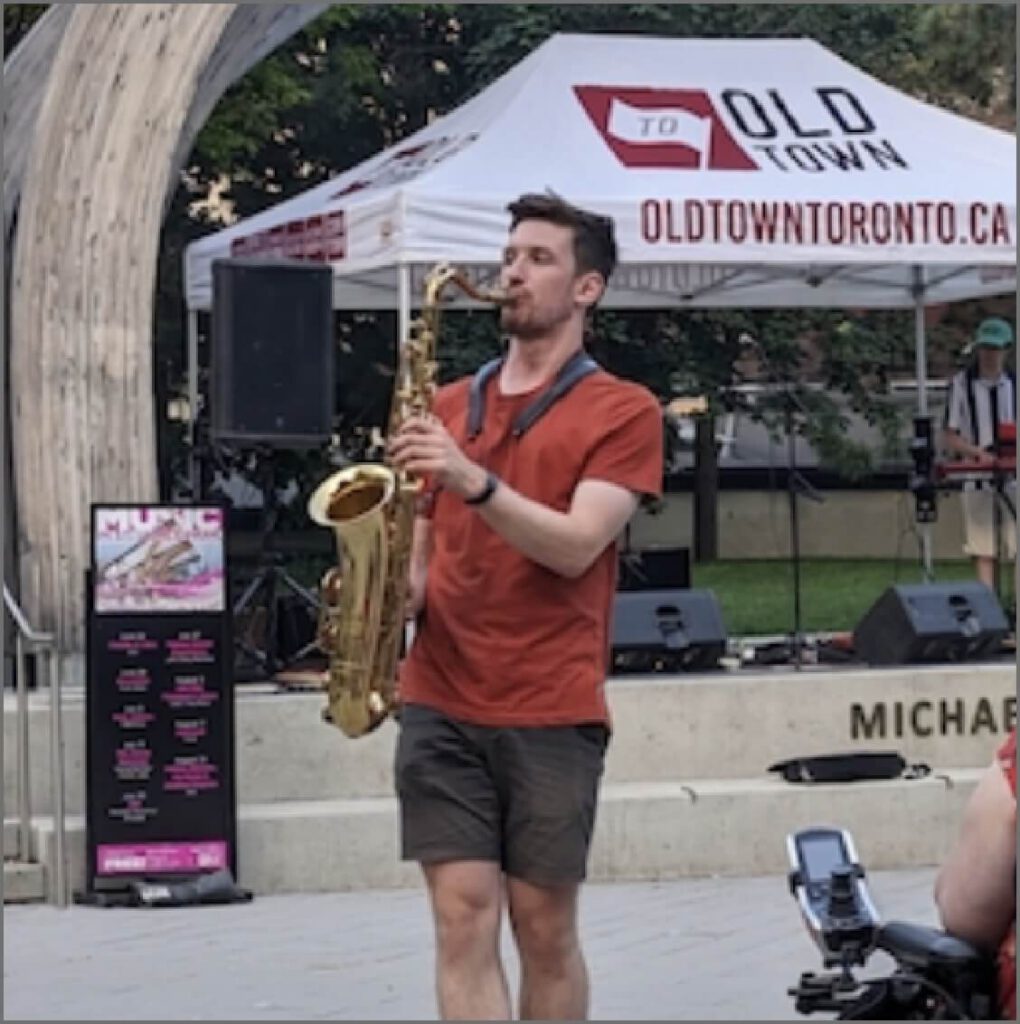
158, 559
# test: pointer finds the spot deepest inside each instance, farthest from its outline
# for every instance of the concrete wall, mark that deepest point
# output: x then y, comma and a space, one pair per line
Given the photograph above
686, 792
847, 524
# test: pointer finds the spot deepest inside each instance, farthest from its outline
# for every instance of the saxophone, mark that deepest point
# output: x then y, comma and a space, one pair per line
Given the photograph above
371, 508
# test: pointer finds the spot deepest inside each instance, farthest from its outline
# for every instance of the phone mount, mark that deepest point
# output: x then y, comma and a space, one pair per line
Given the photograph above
935, 976
827, 880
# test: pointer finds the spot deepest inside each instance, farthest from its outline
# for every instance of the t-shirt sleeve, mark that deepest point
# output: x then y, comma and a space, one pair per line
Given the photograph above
629, 450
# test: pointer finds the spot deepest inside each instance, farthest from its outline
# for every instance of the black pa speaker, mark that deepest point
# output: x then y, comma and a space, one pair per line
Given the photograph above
931, 622
272, 352
668, 630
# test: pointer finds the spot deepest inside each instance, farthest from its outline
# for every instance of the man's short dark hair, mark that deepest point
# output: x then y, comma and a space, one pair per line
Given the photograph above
594, 243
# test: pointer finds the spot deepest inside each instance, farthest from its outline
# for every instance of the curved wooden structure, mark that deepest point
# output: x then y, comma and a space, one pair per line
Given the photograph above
107, 101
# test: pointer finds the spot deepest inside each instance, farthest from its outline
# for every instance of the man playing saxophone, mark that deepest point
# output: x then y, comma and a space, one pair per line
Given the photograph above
536, 465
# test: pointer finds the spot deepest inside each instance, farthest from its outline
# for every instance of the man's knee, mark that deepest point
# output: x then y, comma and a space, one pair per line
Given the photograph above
548, 945
545, 930
465, 908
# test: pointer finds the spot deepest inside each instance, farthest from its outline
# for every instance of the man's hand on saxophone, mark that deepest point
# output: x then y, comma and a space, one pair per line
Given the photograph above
424, 448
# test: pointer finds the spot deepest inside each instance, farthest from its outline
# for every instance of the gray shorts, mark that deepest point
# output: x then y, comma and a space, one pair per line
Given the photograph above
523, 797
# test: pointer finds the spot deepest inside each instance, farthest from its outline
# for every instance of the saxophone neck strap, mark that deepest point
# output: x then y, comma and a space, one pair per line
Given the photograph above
575, 369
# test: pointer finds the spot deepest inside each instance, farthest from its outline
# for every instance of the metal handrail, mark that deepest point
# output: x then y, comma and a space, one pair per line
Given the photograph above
21, 621
40, 643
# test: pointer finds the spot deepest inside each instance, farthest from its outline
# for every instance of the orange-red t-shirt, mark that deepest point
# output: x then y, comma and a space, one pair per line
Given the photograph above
1007, 950
503, 640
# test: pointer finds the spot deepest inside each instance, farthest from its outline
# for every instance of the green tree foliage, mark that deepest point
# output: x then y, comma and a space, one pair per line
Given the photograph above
363, 77
969, 60
18, 19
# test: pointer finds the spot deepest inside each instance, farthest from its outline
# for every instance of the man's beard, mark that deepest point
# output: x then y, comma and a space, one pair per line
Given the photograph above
519, 324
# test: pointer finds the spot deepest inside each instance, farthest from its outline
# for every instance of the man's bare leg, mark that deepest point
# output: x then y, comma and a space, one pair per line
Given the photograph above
554, 978
466, 901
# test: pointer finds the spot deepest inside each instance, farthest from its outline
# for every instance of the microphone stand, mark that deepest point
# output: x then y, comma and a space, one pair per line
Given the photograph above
796, 484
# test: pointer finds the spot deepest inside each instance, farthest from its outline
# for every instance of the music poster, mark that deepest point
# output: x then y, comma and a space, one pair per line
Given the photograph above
160, 696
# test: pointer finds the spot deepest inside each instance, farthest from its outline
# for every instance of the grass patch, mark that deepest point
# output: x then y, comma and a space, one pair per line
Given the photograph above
757, 595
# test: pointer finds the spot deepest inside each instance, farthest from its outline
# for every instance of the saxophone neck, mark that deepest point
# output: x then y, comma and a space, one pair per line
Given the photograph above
414, 385
444, 274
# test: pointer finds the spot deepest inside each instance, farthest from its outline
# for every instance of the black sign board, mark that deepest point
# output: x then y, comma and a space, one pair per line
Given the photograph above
160, 699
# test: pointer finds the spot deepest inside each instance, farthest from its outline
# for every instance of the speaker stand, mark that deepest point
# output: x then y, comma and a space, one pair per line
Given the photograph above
796, 485
264, 590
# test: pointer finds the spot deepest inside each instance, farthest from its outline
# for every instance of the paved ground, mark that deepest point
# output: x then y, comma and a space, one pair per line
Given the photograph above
704, 949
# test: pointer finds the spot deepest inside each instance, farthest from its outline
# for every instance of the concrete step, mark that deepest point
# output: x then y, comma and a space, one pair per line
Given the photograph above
708, 725
645, 830
24, 882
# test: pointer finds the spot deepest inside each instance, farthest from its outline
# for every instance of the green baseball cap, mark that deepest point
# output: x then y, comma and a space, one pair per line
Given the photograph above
994, 333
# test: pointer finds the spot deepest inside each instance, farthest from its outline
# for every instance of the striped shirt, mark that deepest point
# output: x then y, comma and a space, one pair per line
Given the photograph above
975, 406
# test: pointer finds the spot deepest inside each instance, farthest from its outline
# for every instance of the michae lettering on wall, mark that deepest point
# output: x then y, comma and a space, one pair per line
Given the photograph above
922, 718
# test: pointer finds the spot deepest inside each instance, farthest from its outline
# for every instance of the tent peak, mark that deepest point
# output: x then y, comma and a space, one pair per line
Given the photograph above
578, 39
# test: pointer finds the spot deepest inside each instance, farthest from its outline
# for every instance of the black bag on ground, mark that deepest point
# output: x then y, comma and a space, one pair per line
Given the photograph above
854, 767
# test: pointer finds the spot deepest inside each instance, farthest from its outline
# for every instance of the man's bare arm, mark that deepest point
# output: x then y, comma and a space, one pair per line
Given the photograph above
565, 542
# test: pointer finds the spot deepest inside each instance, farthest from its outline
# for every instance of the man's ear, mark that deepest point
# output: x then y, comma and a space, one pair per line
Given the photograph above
589, 288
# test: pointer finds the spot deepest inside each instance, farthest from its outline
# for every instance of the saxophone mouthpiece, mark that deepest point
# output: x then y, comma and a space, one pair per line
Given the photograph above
495, 295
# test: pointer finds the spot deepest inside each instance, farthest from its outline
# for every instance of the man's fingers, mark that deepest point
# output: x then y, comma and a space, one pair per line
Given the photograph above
415, 425
424, 467
417, 450
411, 442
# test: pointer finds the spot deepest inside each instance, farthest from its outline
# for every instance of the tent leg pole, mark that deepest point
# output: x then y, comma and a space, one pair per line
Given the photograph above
403, 334
194, 470
403, 302
921, 357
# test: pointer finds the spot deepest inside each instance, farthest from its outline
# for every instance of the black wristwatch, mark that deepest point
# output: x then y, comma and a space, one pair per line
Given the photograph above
491, 483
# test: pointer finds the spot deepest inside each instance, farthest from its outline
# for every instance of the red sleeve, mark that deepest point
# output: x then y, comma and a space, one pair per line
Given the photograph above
629, 451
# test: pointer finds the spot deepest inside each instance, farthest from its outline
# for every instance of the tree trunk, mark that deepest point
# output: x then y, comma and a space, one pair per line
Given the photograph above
127, 89
706, 490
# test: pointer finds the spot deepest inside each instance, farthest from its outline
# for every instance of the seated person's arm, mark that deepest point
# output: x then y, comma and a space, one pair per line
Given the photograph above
975, 889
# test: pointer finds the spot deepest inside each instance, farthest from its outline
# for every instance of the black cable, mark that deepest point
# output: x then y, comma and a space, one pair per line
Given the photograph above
924, 982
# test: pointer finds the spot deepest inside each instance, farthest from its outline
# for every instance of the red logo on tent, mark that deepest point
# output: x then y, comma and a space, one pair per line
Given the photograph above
663, 128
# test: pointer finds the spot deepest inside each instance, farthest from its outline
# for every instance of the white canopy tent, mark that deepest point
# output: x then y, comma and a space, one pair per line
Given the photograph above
750, 172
